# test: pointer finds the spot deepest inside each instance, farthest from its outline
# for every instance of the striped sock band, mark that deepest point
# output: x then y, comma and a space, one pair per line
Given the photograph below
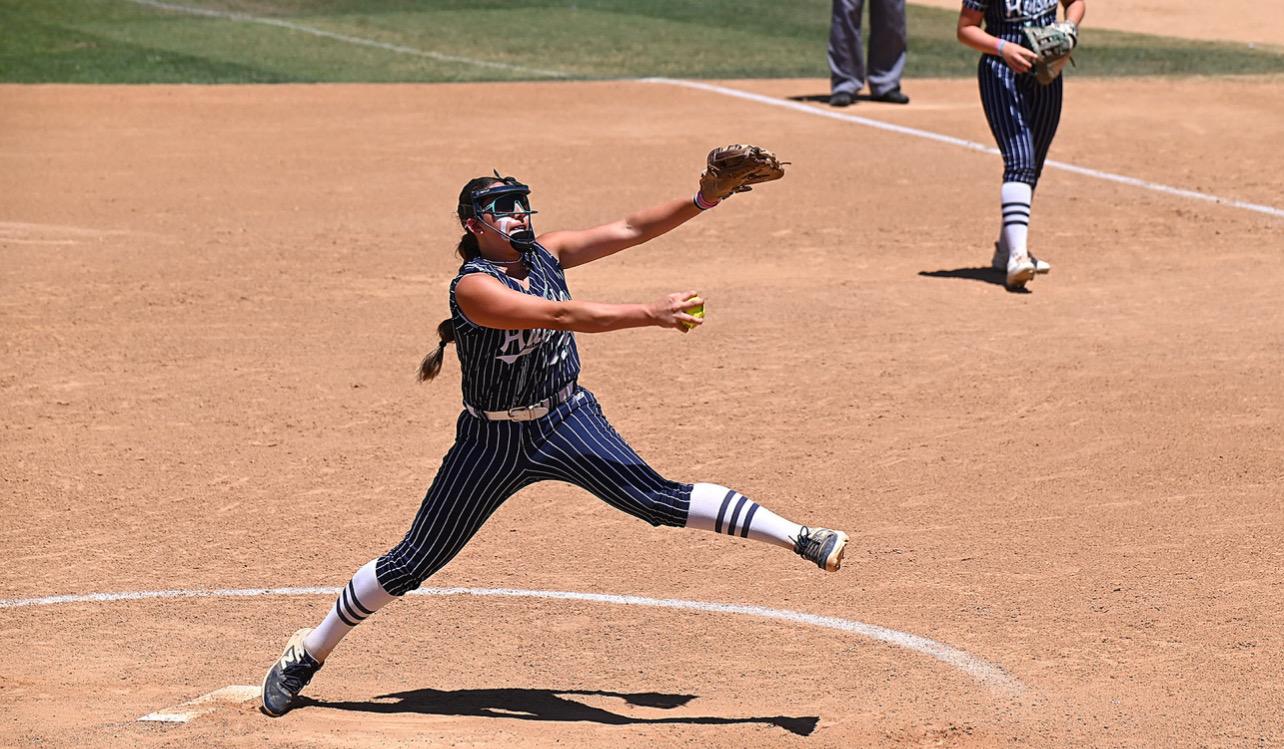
731, 527
1015, 198
721, 510
348, 607
361, 597
1016, 213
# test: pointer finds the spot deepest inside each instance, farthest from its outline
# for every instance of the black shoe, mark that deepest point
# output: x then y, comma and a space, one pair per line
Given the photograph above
822, 546
895, 96
288, 676
841, 99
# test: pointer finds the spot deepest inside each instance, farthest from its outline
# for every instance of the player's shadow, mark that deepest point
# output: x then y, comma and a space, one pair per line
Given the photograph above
547, 704
824, 98
983, 273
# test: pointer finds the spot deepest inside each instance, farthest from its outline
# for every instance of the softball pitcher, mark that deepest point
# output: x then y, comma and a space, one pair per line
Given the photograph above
525, 417
1023, 110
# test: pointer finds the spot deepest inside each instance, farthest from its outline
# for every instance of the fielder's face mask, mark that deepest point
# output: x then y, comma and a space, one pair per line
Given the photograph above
509, 199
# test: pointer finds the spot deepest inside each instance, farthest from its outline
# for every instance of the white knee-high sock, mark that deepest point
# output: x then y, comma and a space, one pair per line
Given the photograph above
1015, 198
722, 510
360, 598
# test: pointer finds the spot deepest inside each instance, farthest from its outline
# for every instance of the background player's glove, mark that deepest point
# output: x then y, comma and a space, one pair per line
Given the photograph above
732, 169
1053, 44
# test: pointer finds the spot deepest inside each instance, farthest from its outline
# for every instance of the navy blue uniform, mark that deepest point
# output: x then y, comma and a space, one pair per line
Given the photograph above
492, 459
1023, 114
510, 368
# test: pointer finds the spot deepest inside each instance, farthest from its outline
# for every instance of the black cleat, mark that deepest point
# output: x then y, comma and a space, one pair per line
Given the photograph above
288, 676
822, 546
841, 99
895, 96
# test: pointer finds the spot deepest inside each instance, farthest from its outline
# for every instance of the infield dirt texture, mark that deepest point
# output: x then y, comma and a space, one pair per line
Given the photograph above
213, 300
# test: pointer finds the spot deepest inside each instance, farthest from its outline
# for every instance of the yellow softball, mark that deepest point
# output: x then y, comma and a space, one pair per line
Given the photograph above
696, 311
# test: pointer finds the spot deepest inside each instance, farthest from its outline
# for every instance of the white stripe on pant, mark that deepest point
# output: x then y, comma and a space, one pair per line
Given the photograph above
1023, 117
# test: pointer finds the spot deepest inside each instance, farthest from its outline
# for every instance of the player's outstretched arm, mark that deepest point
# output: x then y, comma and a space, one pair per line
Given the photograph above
728, 170
574, 248
489, 303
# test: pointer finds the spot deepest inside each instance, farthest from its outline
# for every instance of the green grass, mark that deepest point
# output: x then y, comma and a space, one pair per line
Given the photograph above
119, 41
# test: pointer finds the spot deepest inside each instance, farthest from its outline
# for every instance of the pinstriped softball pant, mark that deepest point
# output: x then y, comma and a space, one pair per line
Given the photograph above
491, 460
1023, 116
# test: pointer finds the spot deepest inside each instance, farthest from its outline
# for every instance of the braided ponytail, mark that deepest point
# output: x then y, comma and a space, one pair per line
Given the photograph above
431, 365
467, 249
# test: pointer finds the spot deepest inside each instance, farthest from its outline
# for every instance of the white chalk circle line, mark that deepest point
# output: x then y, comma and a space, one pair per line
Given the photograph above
986, 673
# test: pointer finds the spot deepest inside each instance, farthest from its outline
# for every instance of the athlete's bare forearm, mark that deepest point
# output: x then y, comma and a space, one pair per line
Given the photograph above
599, 317
1074, 11
649, 223
488, 303
970, 33
671, 311
978, 39
574, 248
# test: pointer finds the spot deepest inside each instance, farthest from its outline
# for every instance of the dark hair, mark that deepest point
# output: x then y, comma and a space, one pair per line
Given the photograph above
431, 365
467, 250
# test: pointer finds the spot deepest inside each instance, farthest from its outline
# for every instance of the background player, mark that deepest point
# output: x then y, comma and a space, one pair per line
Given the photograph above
1023, 114
526, 419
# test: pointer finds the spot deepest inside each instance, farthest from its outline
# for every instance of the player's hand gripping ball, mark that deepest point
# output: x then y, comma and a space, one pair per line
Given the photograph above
696, 311
732, 169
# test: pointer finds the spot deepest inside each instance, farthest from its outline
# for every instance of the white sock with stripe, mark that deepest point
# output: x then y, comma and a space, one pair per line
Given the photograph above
1015, 198
361, 597
722, 510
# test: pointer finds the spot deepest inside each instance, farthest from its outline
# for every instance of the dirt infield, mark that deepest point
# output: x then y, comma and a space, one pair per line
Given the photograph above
215, 298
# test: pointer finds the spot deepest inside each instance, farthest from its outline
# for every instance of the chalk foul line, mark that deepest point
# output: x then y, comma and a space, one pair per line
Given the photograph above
723, 90
988, 674
962, 143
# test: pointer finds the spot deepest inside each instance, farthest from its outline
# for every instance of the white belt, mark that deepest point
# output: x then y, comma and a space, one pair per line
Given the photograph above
525, 413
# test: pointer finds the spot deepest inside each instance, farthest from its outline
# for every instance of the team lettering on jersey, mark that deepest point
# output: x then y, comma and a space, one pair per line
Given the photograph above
523, 342
1019, 10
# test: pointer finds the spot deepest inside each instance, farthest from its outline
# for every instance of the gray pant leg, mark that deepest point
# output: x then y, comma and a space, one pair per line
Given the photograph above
887, 45
846, 60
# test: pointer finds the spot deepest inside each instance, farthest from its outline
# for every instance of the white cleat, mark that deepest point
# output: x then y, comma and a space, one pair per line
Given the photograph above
1000, 262
1020, 271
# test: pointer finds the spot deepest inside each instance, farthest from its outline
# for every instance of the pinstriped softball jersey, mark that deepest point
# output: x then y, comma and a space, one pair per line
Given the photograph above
1006, 18
492, 460
1023, 115
506, 369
